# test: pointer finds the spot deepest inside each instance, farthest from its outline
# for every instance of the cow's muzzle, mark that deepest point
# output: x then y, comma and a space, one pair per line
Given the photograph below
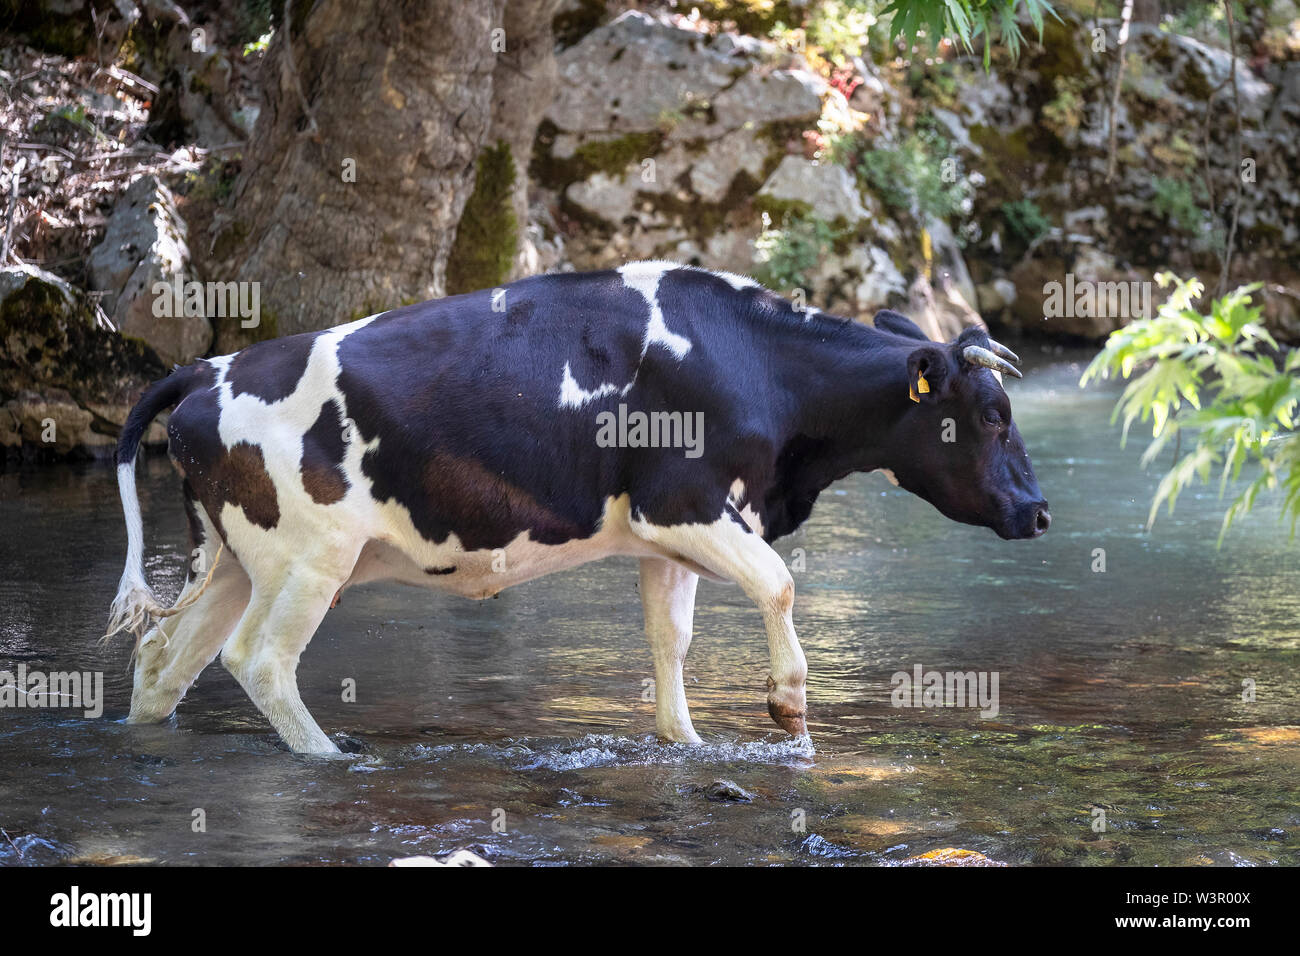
1042, 520
1030, 521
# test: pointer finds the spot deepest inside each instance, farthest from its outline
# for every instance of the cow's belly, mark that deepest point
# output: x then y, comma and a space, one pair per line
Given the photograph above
397, 556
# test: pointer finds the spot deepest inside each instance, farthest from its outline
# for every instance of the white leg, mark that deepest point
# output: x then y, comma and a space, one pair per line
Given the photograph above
668, 598
730, 550
173, 654
263, 652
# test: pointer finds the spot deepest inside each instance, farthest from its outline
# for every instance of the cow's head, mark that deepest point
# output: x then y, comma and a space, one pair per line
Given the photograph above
956, 445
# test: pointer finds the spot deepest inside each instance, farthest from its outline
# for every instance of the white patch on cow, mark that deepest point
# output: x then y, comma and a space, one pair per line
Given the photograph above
573, 395
737, 282
747, 513
278, 429
398, 552
644, 278
889, 476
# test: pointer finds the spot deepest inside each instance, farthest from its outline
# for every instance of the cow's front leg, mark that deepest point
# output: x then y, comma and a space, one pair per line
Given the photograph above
668, 598
730, 549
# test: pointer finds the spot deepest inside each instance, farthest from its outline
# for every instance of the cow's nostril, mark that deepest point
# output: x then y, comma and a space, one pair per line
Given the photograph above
1043, 521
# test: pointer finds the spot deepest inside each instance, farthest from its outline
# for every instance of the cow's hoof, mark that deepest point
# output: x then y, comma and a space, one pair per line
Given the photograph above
790, 720
679, 737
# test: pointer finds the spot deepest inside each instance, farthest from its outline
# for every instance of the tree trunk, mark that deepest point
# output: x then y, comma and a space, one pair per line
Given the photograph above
364, 154
1146, 11
488, 248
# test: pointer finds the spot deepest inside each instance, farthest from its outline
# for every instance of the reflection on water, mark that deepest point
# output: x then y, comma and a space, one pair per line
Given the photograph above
1120, 694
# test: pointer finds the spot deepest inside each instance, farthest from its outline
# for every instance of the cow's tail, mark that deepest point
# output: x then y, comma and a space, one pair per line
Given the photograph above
136, 606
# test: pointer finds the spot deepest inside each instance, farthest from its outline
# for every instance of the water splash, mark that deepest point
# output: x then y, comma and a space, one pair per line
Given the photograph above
609, 750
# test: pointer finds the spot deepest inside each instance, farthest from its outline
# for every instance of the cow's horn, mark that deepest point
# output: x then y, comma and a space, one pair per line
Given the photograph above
978, 355
1001, 351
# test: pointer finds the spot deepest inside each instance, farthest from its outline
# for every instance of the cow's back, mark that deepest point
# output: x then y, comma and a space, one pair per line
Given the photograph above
476, 415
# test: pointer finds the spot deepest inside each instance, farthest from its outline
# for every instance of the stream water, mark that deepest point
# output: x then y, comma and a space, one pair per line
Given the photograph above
517, 726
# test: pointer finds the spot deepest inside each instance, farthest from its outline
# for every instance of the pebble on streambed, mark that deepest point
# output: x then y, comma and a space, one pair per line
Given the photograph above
725, 791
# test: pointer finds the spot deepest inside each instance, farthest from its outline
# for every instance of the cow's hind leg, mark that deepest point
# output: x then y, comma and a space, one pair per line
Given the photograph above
668, 597
171, 655
263, 652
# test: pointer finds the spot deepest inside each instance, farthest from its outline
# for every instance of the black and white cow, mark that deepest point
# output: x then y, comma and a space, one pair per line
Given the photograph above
466, 444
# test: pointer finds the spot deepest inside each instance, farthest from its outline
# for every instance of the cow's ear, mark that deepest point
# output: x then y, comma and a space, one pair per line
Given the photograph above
890, 321
927, 373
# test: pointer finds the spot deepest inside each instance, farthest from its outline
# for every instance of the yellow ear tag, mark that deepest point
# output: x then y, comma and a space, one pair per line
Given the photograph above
922, 386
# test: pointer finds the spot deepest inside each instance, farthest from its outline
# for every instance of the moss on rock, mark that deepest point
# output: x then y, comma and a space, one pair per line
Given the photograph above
488, 233
610, 156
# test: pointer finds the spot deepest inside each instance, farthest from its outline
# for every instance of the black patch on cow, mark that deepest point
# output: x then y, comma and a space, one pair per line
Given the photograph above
323, 448
463, 398
217, 475
197, 534
270, 370
450, 570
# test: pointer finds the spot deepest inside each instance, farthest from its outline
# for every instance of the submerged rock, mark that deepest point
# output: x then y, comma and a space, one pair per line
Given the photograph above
950, 856
727, 791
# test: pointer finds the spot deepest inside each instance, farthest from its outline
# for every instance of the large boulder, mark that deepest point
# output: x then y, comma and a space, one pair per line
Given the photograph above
826, 189
143, 254
51, 421
660, 136
60, 365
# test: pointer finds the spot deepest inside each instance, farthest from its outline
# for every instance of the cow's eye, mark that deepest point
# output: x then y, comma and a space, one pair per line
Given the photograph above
992, 419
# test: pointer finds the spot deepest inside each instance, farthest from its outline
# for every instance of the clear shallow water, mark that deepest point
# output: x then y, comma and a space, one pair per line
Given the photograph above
1119, 691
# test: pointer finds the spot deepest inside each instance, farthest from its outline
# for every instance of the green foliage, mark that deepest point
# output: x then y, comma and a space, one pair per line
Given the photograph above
253, 23
1064, 113
1216, 379
1175, 202
786, 254
74, 114
841, 29
1025, 219
912, 176
965, 20
1179, 203
258, 46
215, 180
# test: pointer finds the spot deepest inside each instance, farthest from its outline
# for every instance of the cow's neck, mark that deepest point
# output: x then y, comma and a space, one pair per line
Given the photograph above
845, 391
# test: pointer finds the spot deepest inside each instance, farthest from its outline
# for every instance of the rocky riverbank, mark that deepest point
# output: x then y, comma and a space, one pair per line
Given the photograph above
848, 175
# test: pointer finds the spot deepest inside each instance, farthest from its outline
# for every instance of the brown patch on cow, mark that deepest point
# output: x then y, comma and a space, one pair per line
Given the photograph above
246, 484
217, 475
270, 370
484, 503
323, 448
